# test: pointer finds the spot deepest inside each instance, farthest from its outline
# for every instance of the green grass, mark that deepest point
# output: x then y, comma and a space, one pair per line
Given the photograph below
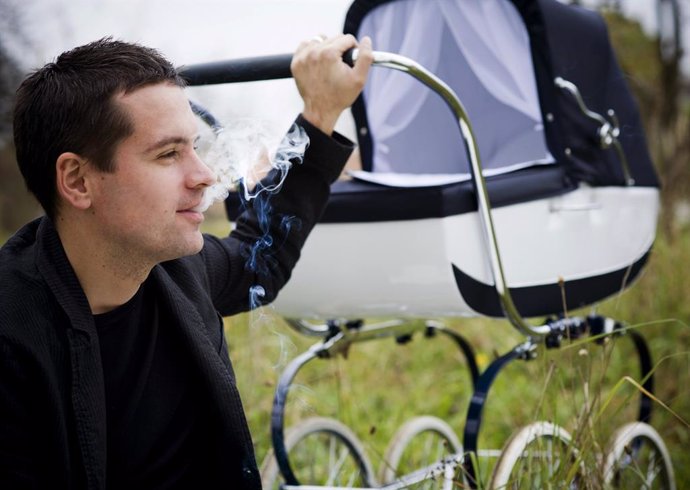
381, 384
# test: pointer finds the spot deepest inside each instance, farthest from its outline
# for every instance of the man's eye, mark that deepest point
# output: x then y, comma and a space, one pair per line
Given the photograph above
169, 154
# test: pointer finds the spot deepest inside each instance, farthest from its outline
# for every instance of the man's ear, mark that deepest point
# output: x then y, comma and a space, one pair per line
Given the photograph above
70, 170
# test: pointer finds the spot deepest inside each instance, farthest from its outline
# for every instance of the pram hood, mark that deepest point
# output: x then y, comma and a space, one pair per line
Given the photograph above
504, 56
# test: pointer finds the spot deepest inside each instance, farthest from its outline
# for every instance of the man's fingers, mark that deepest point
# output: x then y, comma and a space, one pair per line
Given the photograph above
364, 59
320, 38
343, 42
328, 85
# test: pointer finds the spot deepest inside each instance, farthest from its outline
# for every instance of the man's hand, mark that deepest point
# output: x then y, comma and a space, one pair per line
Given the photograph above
327, 85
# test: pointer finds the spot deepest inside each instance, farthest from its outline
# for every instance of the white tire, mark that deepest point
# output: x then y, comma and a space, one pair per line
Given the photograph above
534, 457
322, 451
418, 443
638, 458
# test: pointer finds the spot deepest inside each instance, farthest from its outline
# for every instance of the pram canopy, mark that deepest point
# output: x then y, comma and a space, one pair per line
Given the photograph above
503, 55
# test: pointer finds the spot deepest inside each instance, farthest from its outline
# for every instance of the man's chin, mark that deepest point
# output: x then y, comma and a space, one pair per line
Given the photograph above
196, 245
191, 247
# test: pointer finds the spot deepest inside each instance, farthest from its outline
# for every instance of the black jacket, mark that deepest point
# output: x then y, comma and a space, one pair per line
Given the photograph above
52, 407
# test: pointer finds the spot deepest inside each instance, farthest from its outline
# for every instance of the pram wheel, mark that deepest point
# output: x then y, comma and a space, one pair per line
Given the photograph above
638, 458
323, 451
534, 457
419, 443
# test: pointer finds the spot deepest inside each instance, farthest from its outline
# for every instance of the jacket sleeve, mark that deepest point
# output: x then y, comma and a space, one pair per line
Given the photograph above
249, 267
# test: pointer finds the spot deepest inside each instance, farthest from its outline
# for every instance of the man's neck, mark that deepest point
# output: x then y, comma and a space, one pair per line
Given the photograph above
109, 277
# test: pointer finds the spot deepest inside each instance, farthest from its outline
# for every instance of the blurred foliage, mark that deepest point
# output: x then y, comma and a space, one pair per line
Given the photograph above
638, 56
17, 206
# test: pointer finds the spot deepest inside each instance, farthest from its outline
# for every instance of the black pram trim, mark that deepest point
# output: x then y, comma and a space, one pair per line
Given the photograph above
547, 299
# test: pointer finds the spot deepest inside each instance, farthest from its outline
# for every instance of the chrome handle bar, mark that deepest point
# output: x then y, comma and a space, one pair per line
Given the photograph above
411, 67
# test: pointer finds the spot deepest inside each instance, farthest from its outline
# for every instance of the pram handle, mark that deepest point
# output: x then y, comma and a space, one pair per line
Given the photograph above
254, 69
272, 67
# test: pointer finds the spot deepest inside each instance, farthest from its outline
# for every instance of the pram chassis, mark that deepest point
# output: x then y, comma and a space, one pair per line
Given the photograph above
339, 335
344, 334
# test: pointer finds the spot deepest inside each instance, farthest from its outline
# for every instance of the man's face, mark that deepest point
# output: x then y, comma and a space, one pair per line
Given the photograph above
145, 208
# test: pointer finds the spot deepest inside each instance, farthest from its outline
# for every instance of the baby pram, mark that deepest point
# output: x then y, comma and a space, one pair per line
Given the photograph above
547, 202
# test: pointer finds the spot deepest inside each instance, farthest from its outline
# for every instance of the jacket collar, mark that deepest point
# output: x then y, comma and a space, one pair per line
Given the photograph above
53, 265
88, 394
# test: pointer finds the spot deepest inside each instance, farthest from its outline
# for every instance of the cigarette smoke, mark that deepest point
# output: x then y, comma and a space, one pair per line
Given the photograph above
245, 151
242, 153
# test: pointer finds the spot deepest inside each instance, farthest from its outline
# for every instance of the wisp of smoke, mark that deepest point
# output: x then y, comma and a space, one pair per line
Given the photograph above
245, 152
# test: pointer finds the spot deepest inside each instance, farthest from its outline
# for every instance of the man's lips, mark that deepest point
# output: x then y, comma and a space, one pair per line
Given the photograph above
192, 213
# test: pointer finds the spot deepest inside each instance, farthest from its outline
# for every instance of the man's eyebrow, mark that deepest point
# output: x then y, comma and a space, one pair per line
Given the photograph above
171, 140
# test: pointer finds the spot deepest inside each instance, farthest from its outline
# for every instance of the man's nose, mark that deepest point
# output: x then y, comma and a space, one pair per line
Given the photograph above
201, 174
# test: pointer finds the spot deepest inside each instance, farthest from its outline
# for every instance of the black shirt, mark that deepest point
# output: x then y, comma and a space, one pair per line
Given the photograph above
155, 419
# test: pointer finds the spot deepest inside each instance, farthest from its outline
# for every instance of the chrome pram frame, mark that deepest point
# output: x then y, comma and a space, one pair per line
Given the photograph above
336, 336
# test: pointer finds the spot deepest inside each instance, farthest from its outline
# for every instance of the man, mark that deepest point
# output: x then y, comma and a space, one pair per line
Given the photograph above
113, 367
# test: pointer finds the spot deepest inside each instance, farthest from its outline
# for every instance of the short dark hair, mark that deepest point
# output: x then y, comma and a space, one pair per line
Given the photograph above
69, 105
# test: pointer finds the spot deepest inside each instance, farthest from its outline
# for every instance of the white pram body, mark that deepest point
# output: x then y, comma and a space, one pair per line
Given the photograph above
574, 245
